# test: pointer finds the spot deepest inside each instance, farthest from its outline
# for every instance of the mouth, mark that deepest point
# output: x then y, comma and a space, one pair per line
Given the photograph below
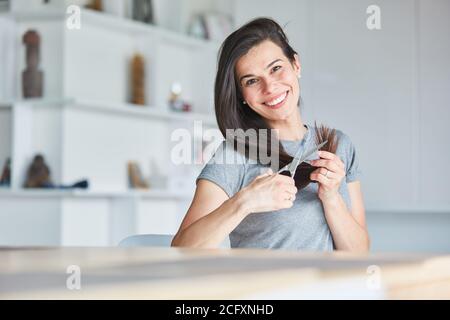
278, 102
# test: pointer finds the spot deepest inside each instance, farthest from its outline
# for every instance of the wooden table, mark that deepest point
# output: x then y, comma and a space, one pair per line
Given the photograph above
174, 273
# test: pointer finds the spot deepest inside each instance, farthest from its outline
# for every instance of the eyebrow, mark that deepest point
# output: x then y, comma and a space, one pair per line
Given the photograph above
251, 75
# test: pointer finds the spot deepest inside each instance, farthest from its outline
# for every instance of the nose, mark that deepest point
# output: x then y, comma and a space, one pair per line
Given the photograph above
268, 86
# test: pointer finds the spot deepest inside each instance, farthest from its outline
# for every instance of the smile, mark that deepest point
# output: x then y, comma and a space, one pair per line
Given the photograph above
277, 102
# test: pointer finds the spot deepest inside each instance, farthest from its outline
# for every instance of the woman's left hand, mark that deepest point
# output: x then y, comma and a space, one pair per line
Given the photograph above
329, 175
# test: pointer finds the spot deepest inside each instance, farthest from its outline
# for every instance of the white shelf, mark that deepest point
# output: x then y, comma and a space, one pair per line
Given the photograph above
52, 193
115, 23
141, 111
127, 109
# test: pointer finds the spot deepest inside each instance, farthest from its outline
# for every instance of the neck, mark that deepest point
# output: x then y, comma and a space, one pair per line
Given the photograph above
291, 128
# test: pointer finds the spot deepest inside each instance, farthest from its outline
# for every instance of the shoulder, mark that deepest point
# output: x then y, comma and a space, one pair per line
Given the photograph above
226, 154
226, 168
347, 153
345, 146
344, 140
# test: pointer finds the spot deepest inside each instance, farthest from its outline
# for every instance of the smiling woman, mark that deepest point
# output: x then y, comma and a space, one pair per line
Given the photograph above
257, 88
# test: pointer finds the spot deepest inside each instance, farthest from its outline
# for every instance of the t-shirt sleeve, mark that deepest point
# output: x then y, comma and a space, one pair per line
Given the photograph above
351, 159
226, 168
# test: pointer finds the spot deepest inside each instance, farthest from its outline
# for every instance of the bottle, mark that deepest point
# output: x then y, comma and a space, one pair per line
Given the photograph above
138, 79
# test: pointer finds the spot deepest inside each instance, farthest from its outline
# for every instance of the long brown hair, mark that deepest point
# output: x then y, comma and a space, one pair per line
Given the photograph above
231, 113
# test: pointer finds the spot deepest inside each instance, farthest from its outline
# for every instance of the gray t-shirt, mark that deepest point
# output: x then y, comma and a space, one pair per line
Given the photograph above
301, 227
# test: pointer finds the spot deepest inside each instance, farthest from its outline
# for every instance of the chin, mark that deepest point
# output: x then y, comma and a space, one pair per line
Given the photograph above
280, 114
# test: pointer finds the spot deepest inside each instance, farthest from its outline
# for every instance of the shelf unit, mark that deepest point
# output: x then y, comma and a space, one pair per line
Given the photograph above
85, 128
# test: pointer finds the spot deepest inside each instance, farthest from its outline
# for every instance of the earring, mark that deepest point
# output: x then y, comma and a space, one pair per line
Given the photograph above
299, 76
244, 102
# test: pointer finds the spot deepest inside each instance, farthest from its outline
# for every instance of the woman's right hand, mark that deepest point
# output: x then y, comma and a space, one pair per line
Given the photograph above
268, 192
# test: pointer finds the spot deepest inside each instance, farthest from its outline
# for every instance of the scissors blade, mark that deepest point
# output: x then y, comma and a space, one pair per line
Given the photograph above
295, 162
310, 152
299, 158
305, 156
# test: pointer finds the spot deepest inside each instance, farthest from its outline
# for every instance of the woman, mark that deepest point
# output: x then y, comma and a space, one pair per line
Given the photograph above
257, 87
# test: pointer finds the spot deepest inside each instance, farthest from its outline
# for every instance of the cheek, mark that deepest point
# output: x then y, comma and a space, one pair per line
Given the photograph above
250, 95
291, 78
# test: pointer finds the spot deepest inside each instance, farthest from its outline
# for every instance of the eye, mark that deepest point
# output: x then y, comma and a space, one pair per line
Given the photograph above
251, 82
276, 68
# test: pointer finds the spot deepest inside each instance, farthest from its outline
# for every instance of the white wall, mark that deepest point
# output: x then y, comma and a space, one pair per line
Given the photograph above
433, 77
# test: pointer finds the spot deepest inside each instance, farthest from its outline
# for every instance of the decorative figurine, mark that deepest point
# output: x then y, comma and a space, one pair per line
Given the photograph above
38, 175
32, 77
176, 103
138, 80
143, 11
96, 5
136, 180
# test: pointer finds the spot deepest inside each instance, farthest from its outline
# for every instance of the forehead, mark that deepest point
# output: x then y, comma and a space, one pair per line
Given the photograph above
259, 57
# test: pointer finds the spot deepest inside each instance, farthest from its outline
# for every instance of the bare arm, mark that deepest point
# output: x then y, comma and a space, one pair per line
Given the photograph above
348, 228
213, 215
210, 218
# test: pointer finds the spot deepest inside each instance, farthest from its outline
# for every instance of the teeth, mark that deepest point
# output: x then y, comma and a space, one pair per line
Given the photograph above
277, 101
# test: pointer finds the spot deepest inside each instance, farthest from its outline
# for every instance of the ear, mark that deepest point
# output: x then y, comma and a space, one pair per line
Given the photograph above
296, 64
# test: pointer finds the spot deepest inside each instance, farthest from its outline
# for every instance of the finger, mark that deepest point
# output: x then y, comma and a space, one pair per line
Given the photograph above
265, 174
327, 173
289, 196
320, 178
331, 156
291, 189
329, 164
326, 155
285, 179
287, 204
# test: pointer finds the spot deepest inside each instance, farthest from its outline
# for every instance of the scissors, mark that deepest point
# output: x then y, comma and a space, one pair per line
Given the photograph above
299, 158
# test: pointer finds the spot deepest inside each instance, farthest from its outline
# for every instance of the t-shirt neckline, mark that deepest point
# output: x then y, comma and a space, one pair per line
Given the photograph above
305, 138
